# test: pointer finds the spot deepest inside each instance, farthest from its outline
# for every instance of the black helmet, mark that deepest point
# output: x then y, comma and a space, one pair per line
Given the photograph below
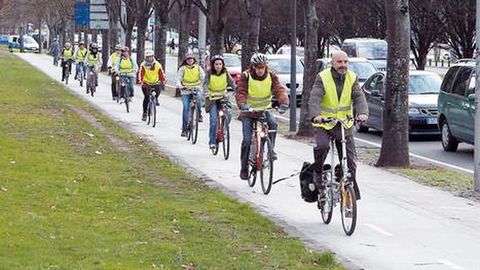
93, 46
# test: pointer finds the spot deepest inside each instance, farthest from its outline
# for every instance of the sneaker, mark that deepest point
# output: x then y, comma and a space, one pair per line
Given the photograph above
184, 133
157, 103
212, 146
144, 117
274, 155
200, 119
88, 92
114, 98
244, 174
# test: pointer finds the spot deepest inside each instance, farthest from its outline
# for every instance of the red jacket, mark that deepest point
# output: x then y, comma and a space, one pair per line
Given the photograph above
161, 75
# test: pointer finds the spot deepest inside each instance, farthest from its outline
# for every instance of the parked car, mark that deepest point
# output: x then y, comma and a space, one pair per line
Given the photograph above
286, 50
29, 44
456, 106
361, 66
281, 65
423, 90
373, 49
234, 65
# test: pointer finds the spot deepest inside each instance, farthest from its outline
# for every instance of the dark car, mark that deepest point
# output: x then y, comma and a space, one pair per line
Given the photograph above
423, 87
456, 106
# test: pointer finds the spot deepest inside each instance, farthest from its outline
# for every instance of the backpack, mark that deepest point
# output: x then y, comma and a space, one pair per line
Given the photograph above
308, 188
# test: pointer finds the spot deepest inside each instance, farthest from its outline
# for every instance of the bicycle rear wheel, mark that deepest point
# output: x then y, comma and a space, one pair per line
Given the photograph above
266, 171
154, 113
126, 97
348, 209
195, 121
81, 78
226, 138
190, 124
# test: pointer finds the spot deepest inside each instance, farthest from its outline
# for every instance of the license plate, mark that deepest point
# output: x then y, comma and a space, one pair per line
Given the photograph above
432, 121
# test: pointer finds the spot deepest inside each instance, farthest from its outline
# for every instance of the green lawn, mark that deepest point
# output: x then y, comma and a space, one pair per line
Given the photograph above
78, 192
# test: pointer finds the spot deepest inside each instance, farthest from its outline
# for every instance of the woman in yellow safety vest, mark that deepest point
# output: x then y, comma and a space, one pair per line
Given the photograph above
151, 78
215, 86
112, 63
190, 75
67, 58
127, 69
94, 61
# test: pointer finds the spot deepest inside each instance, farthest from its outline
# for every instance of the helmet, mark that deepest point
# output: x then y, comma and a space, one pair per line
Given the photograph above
81, 43
148, 53
189, 55
118, 47
259, 59
125, 49
216, 57
93, 46
68, 45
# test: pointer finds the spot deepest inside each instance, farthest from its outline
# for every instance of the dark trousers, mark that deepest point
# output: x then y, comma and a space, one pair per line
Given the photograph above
322, 148
146, 89
247, 129
114, 85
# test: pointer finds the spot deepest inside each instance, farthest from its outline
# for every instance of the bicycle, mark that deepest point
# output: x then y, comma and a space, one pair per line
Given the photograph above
125, 85
80, 74
91, 80
223, 129
339, 187
117, 88
152, 105
66, 69
193, 116
261, 153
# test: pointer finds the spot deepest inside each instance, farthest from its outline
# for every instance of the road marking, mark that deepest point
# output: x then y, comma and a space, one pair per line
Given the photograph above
379, 230
451, 264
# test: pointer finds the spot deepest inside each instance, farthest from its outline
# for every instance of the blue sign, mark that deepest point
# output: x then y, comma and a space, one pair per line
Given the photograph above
82, 13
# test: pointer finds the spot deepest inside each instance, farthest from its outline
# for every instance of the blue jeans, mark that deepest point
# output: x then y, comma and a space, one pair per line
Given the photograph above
129, 84
247, 129
213, 121
81, 65
186, 108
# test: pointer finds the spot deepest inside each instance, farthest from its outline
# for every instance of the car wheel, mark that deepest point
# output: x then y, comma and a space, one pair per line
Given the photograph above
449, 143
361, 128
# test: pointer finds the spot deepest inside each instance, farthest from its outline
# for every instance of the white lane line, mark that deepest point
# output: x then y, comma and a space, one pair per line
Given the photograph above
379, 230
451, 264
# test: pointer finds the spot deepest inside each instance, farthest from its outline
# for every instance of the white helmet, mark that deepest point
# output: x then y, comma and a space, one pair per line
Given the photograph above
259, 59
68, 45
149, 53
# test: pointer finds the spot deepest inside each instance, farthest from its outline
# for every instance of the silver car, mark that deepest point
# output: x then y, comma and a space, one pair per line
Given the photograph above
281, 65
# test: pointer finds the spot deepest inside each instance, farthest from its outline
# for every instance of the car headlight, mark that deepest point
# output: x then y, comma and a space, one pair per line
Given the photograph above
413, 111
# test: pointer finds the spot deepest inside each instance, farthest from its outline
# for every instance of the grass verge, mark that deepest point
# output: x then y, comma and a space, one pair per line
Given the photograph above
79, 192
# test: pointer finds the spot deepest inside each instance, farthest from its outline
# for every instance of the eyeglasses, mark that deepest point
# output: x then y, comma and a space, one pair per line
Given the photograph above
260, 66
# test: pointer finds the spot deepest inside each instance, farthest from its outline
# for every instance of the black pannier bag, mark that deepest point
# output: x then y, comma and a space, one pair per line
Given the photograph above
307, 186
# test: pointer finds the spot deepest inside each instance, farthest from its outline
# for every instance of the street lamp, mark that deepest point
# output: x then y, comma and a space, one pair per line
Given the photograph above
293, 69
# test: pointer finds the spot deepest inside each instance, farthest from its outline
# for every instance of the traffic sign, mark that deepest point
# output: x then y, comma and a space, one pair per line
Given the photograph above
81, 13
98, 15
99, 25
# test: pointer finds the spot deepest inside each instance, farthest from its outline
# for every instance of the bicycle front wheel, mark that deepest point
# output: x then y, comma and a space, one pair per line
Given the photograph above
326, 209
126, 97
154, 113
195, 121
266, 172
348, 208
226, 138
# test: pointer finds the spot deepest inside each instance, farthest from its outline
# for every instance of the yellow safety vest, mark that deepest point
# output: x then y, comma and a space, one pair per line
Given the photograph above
67, 54
81, 54
218, 86
126, 66
191, 76
331, 106
151, 76
115, 57
92, 60
259, 93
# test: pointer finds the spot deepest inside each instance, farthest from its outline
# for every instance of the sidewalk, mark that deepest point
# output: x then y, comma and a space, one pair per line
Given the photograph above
401, 225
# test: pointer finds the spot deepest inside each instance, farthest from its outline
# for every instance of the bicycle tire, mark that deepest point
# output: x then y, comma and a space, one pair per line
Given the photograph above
154, 112
117, 90
66, 75
81, 78
217, 137
327, 216
149, 112
126, 96
191, 116
226, 138
267, 179
348, 199
252, 176
195, 126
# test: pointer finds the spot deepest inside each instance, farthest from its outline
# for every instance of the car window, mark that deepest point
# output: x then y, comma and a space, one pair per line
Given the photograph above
448, 80
380, 84
232, 61
349, 49
370, 83
363, 69
471, 85
282, 65
461, 81
424, 84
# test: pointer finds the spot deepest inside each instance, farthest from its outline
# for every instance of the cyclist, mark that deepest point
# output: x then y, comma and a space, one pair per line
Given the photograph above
335, 93
127, 69
189, 75
93, 60
55, 51
255, 90
80, 55
215, 86
151, 77
112, 63
67, 58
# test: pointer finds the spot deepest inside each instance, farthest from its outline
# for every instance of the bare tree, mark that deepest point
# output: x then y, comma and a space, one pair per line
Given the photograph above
395, 151
310, 69
143, 12
162, 11
185, 8
251, 12
459, 19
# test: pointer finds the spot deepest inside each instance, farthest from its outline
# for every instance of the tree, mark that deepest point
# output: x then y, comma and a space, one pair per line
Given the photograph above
426, 29
162, 11
458, 17
395, 151
251, 12
142, 14
310, 69
185, 8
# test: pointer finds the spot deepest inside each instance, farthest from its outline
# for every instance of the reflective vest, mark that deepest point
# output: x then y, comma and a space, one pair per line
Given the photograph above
67, 54
151, 75
217, 86
81, 54
114, 57
259, 93
126, 66
92, 60
333, 107
191, 76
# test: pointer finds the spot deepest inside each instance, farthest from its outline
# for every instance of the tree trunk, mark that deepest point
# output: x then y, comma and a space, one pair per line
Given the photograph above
161, 20
40, 40
252, 11
95, 36
105, 49
310, 71
184, 33
216, 26
142, 27
395, 149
